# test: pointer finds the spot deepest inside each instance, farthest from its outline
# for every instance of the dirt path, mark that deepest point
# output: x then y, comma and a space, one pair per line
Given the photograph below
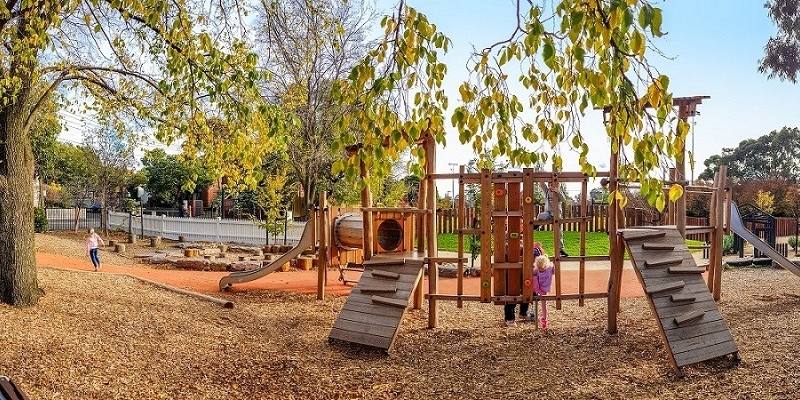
306, 281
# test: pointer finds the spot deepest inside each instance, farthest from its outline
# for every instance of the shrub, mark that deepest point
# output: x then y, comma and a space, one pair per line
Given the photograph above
793, 242
40, 223
727, 245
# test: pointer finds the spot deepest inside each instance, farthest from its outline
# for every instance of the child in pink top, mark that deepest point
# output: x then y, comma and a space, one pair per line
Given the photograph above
543, 271
93, 241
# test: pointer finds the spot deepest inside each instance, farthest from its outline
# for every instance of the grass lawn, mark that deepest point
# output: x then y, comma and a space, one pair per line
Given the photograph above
596, 242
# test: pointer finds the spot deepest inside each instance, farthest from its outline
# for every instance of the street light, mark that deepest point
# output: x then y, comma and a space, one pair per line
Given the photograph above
453, 185
693, 114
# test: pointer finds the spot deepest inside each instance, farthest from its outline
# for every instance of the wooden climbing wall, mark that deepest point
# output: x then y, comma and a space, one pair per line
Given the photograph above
507, 231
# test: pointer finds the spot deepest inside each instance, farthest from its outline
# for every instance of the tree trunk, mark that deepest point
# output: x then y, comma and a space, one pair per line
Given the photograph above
18, 280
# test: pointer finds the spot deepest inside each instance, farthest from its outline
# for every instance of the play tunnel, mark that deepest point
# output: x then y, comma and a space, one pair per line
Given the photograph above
348, 232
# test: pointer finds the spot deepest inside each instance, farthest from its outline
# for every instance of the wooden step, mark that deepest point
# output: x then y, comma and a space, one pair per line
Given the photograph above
686, 270
666, 287
385, 274
682, 298
663, 262
389, 301
689, 317
644, 235
387, 287
658, 246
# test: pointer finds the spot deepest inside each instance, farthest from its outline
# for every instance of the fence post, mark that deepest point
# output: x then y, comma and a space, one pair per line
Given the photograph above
216, 228
163, 225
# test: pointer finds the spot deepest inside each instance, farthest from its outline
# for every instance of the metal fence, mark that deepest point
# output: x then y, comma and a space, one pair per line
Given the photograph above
192, 229
64, 219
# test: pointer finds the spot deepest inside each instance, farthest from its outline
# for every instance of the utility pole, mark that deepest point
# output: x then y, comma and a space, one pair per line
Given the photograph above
453, 185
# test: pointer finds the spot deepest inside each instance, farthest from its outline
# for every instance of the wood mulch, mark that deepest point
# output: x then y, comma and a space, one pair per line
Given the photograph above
107, 336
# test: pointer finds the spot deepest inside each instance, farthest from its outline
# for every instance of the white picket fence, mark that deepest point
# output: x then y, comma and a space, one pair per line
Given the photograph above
203, 229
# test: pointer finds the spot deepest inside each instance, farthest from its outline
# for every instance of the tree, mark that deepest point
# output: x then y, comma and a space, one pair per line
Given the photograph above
571, 56
44, 132
782, 52
139, 63
166, 176
772, 156
308, 44
71, 172
110, 161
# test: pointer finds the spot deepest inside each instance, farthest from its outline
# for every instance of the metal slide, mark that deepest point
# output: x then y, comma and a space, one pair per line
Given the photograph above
306, 240
737, 226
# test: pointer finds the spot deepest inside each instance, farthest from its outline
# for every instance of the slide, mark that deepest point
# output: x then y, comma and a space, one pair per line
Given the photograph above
306, 241
737, 226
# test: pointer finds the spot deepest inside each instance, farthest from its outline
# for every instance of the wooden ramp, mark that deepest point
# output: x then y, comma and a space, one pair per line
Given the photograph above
691, 325
375, 308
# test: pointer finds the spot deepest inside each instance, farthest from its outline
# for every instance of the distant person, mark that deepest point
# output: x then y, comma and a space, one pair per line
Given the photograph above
549, 191
543, 272
93, 241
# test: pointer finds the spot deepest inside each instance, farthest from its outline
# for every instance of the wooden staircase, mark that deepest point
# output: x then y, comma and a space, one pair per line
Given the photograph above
690, 323
372, 314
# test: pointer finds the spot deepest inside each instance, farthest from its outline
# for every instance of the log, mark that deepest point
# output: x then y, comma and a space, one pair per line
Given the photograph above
119, 247
305, 263
155, 241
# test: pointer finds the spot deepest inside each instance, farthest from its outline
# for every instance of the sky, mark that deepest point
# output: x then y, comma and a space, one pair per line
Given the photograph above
713, 49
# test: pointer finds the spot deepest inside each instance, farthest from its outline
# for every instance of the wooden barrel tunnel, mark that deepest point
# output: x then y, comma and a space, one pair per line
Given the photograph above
348, 233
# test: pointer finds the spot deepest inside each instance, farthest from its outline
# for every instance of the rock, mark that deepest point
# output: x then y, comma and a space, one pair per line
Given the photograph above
197, 264
159, 259
244, 265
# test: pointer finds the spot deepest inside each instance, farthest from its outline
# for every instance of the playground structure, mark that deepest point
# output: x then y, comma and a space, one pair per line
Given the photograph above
393, 244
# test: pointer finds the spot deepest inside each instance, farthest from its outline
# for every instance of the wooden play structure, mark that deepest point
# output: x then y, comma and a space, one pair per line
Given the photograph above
393, 246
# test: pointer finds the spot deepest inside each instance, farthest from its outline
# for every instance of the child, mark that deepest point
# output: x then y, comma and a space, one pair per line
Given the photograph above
510, 309
542, 279
92, 240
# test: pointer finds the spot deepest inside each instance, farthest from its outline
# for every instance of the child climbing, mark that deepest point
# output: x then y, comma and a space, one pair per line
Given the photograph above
542, 280
524, 314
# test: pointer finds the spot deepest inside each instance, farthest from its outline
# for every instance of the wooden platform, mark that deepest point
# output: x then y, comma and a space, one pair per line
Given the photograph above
375, 308
691, 325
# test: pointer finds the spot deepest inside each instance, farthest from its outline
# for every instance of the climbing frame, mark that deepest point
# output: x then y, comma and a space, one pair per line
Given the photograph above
687, 315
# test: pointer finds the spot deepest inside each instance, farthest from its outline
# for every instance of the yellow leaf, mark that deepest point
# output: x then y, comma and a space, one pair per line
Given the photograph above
675, 192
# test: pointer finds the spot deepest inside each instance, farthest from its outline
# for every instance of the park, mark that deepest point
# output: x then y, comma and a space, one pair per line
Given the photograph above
658, 285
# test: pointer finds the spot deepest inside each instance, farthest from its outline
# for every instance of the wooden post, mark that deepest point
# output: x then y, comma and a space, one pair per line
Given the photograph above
528, 217
615, 252
716, 238
433, 267
583, 224
366, 201
712, 219
321, 219
486, 235
459, 226
422, 204
555, 206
